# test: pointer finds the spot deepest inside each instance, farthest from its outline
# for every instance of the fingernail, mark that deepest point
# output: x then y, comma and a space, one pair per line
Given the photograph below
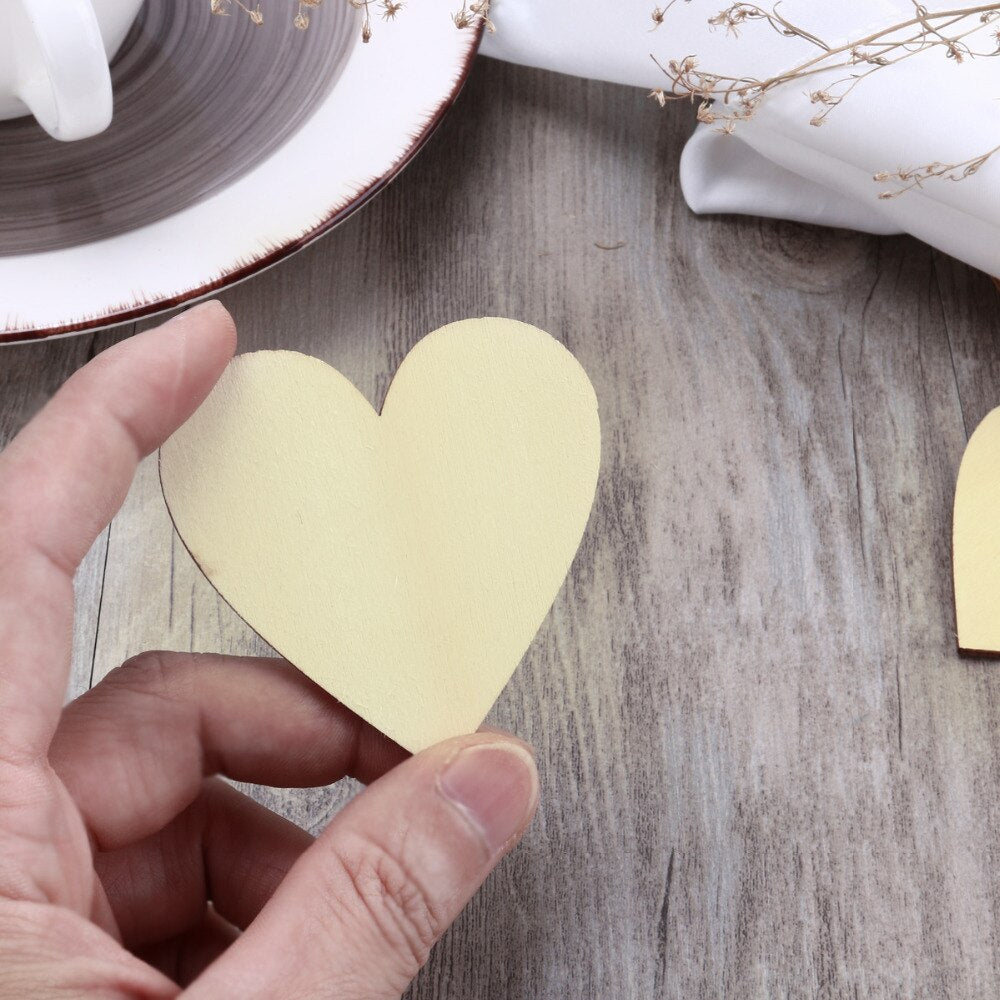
209, 305
495, 786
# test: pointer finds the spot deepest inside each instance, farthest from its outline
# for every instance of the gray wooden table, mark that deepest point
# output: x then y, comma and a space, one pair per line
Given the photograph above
766, 773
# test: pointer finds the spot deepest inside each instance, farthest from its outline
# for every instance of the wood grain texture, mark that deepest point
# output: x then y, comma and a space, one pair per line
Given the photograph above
766, 772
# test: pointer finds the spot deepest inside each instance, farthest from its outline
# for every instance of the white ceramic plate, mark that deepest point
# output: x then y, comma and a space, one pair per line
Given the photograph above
232, 147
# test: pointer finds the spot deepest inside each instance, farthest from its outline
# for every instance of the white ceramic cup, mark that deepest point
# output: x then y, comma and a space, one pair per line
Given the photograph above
54, 58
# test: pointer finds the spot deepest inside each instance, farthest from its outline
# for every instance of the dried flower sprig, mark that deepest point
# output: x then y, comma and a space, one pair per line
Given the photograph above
726, 101
221, 8
301, 19
472, 14
914, 177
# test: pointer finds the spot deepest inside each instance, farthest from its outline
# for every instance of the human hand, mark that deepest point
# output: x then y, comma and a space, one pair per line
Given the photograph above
128, 868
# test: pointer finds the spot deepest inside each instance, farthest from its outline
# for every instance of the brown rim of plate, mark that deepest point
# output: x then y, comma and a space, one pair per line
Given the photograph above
141, 310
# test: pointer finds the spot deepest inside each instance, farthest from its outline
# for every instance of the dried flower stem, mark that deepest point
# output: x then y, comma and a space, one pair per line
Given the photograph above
473, 12
742, 96
915, 177
221, 8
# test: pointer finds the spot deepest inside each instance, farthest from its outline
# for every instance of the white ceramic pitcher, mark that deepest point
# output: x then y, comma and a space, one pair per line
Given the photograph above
54, 58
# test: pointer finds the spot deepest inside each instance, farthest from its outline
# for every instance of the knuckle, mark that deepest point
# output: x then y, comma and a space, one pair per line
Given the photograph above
147, 675
144, 670
147, 692
395, 900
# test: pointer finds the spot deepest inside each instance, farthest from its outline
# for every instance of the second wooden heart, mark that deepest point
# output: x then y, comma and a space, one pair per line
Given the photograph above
403, 561
976, 541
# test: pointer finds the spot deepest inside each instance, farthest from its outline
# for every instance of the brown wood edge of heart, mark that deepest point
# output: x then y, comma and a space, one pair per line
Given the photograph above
978, 654
964, 652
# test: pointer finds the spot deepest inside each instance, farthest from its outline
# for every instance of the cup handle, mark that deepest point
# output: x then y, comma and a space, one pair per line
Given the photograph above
69, 91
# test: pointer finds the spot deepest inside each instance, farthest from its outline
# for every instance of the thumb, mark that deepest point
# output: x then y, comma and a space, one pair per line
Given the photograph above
357, 914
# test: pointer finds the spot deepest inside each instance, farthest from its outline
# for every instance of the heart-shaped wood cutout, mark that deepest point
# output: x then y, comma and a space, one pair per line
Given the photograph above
404, 561
976, 541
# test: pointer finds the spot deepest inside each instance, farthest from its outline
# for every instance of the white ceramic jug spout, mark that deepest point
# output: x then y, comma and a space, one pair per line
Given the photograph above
54, 62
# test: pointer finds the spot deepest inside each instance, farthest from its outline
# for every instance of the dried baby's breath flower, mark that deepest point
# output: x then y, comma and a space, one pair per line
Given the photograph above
705, 114
366, 21
388, 10
913, 177
727, 100
472, 13
221, 8
301, 19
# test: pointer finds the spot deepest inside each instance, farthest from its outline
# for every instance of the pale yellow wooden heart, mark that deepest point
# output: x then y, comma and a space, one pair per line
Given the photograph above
976, 541
404, 561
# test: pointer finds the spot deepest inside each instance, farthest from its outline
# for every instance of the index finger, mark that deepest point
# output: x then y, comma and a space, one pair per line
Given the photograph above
61, 481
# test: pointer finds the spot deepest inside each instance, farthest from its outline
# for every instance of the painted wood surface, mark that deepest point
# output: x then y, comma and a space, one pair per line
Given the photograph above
766, 772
